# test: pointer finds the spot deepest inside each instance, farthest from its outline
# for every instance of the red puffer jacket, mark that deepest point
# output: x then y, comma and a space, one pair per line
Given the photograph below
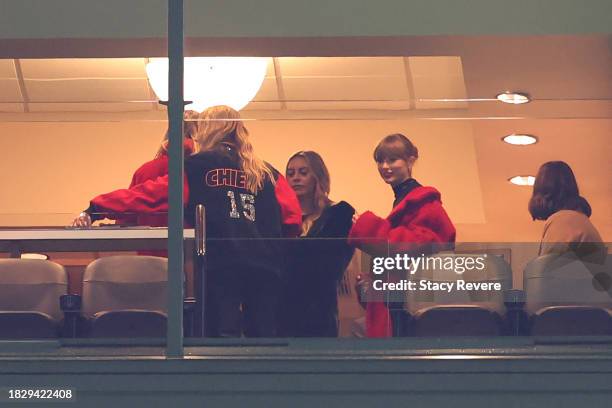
151, 170
416, 225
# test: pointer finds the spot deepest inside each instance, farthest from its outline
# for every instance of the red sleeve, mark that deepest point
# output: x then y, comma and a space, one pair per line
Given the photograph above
135, 180
150, 171
129, 219
378, 320
431, 225
291, 213
148, 197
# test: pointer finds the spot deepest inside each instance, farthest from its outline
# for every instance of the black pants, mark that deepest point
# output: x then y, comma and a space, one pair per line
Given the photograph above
401, 322
301, 318
242, 301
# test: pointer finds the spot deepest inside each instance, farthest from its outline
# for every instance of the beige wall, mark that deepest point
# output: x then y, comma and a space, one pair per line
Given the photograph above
51, 170
62, 165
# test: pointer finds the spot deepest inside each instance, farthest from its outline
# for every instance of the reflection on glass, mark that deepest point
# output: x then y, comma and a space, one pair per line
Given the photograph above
92, 126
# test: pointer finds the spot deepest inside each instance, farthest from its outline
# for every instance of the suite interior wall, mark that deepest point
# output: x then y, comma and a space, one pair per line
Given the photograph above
50, 170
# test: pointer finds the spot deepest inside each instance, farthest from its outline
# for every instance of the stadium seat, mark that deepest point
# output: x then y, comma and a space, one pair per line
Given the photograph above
29, 298
460, 312
126, 296
567, 296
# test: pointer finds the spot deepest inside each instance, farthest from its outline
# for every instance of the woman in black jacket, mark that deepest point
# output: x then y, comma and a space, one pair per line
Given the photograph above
317, 260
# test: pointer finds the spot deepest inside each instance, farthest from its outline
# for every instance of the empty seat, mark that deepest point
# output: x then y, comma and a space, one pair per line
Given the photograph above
567, 296
29, 298
126, 296
571, 321
459, 312
457, 320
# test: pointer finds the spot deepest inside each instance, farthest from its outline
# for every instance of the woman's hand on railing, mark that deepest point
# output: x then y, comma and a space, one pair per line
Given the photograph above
82, 221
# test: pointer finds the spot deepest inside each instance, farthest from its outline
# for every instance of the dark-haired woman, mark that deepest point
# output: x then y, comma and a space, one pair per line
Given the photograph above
557, 200
417, 224
317, 260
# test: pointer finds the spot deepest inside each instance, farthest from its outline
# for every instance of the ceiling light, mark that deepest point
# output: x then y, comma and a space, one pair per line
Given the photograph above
515, 98
211, 81
522, 180
520, 140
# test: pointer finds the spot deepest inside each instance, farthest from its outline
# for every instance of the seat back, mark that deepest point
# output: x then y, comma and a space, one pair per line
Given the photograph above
118, 283
565, 280
129, 323
571, 321
32, 285
494, 270
444, 321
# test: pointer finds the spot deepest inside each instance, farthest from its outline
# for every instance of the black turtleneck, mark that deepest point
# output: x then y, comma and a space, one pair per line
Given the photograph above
402, 190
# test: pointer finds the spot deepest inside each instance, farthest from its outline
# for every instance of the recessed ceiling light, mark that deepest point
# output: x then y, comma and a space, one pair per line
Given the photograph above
522, 180
515, 98
520, 140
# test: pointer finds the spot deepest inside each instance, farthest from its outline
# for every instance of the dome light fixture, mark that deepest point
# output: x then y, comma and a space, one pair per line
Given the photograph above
211, 81
522, 180
514, 98
520, 140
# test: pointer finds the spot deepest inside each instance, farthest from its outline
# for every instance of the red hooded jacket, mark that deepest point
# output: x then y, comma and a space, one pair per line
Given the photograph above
151, 170
416, 225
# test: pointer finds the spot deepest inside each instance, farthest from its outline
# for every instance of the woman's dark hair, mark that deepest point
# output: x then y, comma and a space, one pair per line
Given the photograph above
555, 189
395, 145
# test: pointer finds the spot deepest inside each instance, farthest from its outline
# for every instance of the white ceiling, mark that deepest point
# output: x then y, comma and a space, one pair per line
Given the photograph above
294, 84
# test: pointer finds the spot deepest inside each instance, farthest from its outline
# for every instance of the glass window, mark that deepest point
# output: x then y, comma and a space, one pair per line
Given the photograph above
352, 196
75, 124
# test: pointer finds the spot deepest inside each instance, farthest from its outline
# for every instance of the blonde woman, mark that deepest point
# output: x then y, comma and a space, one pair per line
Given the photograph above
249, 205
315, 262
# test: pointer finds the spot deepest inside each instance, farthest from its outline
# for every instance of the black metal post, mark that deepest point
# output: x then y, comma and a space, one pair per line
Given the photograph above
174, 336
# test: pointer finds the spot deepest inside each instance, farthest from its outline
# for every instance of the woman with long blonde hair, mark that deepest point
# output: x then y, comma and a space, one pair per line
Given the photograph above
310, 180
249, 206
221, 125
317, 261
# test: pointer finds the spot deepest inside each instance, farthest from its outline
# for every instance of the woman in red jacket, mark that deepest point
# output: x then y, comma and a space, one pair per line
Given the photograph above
151, 170
158, 167
417, 224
